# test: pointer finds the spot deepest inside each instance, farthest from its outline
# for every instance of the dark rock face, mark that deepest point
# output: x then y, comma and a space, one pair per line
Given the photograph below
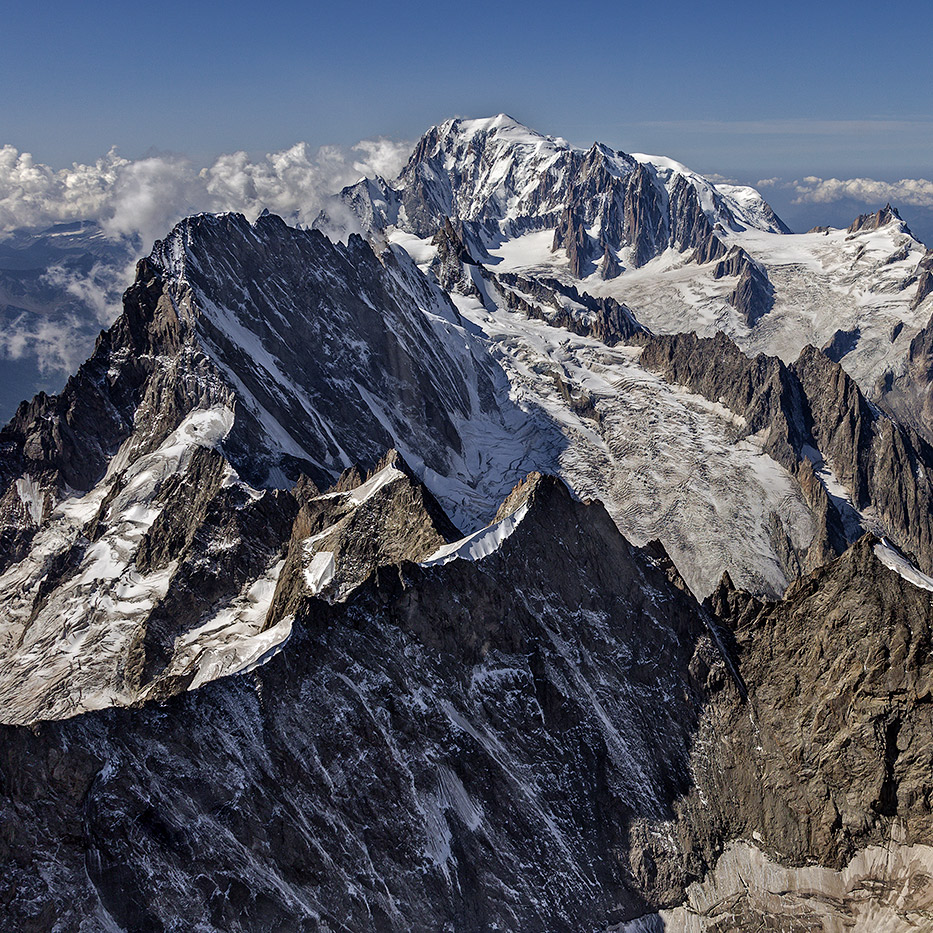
690, 227
880, 218
711, 249
300, 332
498, 179
814, 403
881, 463
450, 264
645, 228
401, 521
907, 395
824, 753
843, 342
839, 737
753, 295
546, 739
924, 287
924, 280
570, 234
448, 745
222, 538
843, 423
540, 298
609, 266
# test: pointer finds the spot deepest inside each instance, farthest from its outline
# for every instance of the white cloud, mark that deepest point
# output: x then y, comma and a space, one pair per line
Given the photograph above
32, 194
383, 157
142, 198
294, 182
138, 201
718, 179
912, 192
801, 126
58, 346
60, 334
909, 192
100, 289
147, 197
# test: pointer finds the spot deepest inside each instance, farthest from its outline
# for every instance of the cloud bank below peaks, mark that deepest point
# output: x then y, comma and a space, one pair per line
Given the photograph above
143, 198
910, 192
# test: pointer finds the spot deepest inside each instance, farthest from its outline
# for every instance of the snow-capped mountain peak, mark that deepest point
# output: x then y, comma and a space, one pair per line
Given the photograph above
502, 128
596, 211
498, 169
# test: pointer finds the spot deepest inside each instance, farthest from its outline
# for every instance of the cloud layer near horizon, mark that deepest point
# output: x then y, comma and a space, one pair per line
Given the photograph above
910, 192
144, 197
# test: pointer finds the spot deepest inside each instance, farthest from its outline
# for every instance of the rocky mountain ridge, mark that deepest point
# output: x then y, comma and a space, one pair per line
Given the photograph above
162, 478
499, 180
393, 584
408, 800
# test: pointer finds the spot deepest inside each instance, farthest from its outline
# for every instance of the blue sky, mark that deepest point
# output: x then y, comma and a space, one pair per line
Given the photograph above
747, 90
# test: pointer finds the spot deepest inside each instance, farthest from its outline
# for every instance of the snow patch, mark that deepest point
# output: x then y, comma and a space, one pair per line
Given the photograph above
838, 494
320, 571
203, 427
422, 251
234, 637
481, 543
896, 561
72, 653
32, 496
368, 489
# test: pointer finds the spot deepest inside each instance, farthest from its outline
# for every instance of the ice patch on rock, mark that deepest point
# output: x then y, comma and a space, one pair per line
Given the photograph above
896, 561
31, 495
234, 638
320, 571
851, 517
70, 653
481, 543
